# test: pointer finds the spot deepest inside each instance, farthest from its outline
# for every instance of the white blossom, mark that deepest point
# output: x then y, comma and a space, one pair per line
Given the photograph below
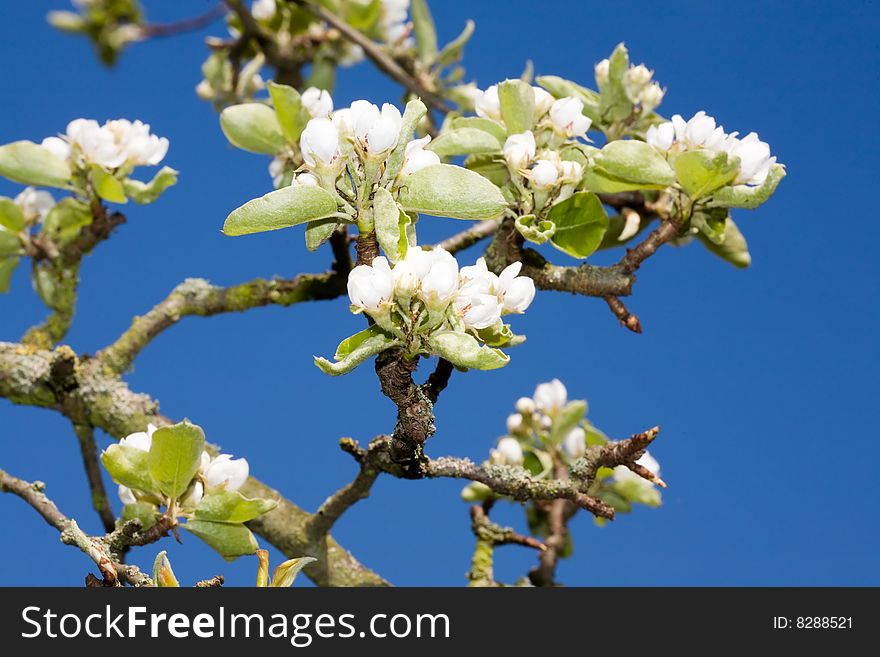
567, 116
440, 283
637, 78
514, 422
57, 146
263, 10
394, 19
515, 292
526, 405
487, 103
575, 443
651, 96
632, 221
319, 142
227, 473
571, 171
305, 179
141, 440
755, 160
34, 204
317, 101
550, 397
377, 131
113, 144
543, 101
126, 495
195, 495
697, 130
519, 150
661, 136
416, 157
478, 311
342, 120
137, 145
544, 173
601, 69
508, 451
371, 286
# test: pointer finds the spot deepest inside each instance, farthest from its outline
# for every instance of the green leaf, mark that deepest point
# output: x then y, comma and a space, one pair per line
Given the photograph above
445, 190
464, 351
144, 511
596, 180
252, 127
289, 111
492, 169
635, 161
711, 222
534, 230
452, 51
423, 26
580, 222
746, 197
500, 335
66, 219
285, 574
732, 247
355, 350
568, 417
517, 105
634, 490
11, 216
614, 103
386, 220
232, 506
465, 141
10, 243
106, 185
412, 114
28, 163
319, 231
561, 88
143, 193
479, 123
228, 540
285, 207
175, 455
130, 467
702, 172
163, 576
7, 267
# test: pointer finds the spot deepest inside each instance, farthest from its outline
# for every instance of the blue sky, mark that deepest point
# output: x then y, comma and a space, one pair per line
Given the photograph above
762, 379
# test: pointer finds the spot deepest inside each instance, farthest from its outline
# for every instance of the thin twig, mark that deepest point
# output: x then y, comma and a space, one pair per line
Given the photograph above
438, 380
469, 237
627, 319
86, 437
152, 30
334, 506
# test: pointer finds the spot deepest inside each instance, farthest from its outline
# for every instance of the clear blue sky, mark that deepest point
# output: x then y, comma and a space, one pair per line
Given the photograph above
763, 380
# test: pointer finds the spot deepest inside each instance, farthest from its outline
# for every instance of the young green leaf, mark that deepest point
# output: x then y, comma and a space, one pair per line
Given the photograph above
568, 417
533, 229
465, 141
517, 101
163, 576
635, 161
174, 457
130, 467
445, 190
143, 193
285, 207
319, 231
732, 248
28, 163
66, 219
386, 221
147, 513
580, 222
106, 185
289, 111
232, 506
702, 172
423, 26
614, 103
228, 540
7, 267
479, 123
453, 51
464, 351
355, 350
252, 127
11, 216
285, 574
412, 114
746, 197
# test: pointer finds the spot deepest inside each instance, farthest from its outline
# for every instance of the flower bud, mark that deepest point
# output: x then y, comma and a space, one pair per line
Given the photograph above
34, 204
57, 146
514, 422
516, 292
126, 495
567, 117
276, 171
196, 493
543, 101
342, 120
227, 473
305, 179
377, 131
632, 221
636, 79
507, 452
571, 171
141, 440
519, 150
601, 70
651, 96
526, 405
755, 160
440, 284
661, 136
263, 10
371, 286
319, 142
575, 443
317, 101
487, 103
416, 157
550, 397
544, 174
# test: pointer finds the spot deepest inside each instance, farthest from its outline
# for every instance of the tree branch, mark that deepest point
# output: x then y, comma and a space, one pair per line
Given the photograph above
113, 572
196, 296
86, 437
152, 30
469, 237
489, 535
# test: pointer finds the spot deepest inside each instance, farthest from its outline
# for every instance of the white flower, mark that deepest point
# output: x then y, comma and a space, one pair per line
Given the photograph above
57, 146
342, 120
317, 101
126, 495
661, 136
94, 143
377, 132
514, 422
516, 292
571, 171
526, 405
393, 20
543, 101
567, 116
507, 452
141, 440
440, 283
115, 143
263, 10
417, 158
637, 77
697, 130
371, 286
623, 473
601, 70
651, 96
755, 160
195, 495
717, 140
34, 204
478, 311
135, 142
519, 150
575, 443
632, 221
550, 397
226, 473
319, 142
478, 277
487, 103
544, 173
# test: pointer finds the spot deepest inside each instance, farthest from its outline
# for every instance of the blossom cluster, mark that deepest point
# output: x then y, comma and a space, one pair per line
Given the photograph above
117, 144
638, 83
472, 298
221, 472
701, 132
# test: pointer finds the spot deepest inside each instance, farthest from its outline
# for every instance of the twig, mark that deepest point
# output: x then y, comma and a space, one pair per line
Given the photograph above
499, 535
558, 514
377, 55
610, 455
86, 437
152, 30
666, 231
334, 506
112, 572
489, 535
213, 583
196, 296
627, 319
469, 237
438, 380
